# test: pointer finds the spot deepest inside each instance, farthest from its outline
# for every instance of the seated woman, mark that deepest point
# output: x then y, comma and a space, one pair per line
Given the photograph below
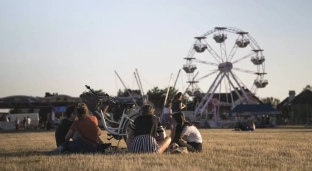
88, 133
188, 132
144, 133
64, 126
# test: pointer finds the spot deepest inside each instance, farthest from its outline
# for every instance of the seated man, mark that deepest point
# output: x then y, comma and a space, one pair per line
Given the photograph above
64, 126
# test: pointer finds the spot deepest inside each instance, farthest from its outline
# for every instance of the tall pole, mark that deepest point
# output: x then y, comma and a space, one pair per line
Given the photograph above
166, 96
168, 90
139, 81
136, 79
127, 89
175, 83
144, 97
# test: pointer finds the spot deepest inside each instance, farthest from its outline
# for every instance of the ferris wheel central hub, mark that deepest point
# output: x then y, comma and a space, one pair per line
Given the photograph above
225, 67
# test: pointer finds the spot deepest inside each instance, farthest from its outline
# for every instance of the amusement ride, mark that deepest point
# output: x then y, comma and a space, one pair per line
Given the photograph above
226, 89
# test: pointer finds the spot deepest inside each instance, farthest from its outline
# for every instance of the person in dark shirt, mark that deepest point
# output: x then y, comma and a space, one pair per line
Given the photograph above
24, 122
147, 134
177, 104
64, 126
88, 133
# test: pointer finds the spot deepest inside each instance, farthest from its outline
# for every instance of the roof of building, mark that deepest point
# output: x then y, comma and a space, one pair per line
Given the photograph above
254, 109
305, 97
282, 103
21, 101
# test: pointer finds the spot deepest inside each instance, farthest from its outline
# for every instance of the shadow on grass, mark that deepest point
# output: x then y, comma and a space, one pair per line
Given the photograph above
46, 154
23, 154
34, 153
276, 132
25, 131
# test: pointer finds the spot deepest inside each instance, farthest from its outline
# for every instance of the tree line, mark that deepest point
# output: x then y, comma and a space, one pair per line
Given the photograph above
157, 96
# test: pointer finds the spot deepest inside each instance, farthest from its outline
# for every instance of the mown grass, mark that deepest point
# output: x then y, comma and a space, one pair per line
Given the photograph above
223, 149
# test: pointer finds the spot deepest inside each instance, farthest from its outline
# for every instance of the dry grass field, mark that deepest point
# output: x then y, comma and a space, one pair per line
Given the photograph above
264, 149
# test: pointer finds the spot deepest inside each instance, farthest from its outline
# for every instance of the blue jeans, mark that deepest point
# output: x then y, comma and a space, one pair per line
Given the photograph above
78, 146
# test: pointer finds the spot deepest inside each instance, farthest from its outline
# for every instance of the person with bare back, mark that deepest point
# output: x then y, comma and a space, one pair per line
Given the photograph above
147, 134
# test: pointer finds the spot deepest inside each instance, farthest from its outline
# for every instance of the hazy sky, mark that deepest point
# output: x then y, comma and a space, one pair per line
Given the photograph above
59, 46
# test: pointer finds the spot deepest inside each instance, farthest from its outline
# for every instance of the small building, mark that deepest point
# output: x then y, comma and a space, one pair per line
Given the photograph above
264, 115
296, 110
58, 104
42, 105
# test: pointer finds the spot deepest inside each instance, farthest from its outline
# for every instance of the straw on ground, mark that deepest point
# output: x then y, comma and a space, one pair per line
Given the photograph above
264, 149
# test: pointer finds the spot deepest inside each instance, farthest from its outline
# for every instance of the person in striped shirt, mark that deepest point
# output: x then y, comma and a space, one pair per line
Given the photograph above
147, 134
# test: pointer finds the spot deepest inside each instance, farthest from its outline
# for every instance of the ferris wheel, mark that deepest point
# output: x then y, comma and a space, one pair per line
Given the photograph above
211, 49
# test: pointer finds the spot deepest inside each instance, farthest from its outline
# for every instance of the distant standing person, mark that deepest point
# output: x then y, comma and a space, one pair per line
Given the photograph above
28, 122
48, 124
24, 122
177, 105
17, 122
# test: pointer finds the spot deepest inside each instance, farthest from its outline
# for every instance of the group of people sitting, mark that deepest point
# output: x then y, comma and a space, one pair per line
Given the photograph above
146, 135
250, 126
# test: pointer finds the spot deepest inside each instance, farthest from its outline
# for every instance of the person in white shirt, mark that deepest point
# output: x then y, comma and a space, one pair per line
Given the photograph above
184, 130
28, 122
166, 118
17, 123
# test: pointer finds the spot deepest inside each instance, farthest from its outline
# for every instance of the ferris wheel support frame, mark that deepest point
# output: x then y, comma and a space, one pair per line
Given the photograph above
206, 95
211, 94
207, 98
244, 93
235, 90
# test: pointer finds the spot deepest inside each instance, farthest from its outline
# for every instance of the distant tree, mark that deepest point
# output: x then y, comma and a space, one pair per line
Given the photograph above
100, 91
125, 92
307, 87
120, 93
31, 111
157, 96
15, 110
270, 100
